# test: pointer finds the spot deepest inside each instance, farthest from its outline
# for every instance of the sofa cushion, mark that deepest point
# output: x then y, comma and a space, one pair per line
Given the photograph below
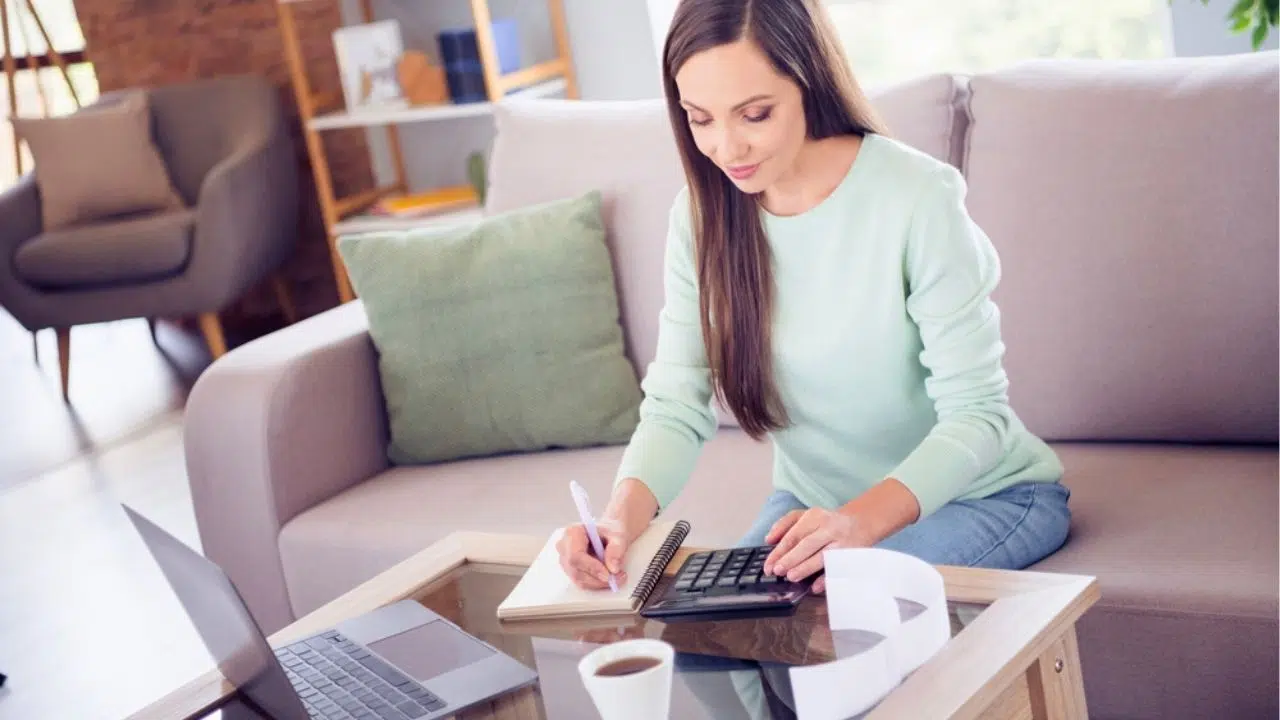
1182, 540
352, 537
501, 336
133, 249
1134, 207
554, 149
926, 113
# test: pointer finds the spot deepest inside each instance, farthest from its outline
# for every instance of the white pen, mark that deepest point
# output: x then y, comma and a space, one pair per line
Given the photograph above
584, 511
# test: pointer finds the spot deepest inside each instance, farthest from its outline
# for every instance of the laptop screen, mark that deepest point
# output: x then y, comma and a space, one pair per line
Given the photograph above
219, 615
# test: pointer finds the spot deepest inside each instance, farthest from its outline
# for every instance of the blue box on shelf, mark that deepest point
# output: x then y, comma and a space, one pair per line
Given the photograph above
460, 56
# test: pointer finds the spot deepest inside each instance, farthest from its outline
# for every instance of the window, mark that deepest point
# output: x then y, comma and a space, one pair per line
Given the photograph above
50, 94
890, 41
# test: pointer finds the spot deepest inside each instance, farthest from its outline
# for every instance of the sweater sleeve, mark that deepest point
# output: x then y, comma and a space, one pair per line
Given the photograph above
951, 270
676, 415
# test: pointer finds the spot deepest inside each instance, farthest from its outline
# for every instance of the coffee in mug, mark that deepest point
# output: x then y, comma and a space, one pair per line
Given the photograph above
630, 680
627, 666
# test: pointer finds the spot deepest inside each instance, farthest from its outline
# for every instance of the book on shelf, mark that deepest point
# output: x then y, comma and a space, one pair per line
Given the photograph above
426, 203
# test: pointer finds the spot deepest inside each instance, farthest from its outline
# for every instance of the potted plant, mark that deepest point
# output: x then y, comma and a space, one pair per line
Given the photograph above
1256, 17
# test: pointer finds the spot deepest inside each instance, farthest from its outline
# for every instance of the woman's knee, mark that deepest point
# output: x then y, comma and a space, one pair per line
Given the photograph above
1009, 530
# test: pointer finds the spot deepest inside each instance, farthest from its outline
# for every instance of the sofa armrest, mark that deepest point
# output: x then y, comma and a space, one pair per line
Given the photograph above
273, 428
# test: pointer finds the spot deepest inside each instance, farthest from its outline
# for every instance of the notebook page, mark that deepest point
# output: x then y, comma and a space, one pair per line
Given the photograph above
545, 588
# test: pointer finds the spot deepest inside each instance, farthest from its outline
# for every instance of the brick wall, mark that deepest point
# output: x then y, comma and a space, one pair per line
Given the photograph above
135, 43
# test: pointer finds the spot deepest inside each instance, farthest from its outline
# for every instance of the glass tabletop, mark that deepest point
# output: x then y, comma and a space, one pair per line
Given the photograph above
724, 669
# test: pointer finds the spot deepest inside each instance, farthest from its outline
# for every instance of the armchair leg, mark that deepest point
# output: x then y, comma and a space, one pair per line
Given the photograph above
211, 327
64, 360
35, 346
151, 325
287, 308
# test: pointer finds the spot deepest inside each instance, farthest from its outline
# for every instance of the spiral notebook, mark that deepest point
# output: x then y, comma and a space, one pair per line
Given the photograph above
546, 591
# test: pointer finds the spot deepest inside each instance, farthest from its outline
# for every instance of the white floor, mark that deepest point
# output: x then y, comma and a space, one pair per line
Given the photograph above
88, 627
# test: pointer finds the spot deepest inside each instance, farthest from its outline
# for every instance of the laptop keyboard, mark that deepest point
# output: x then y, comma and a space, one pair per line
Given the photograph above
339, 680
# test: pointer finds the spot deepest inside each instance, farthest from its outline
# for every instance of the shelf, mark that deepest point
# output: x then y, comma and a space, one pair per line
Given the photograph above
427, 113
378, 223
345, 206
326, 110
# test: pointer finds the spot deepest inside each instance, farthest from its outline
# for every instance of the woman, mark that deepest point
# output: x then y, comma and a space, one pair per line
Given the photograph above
827, 283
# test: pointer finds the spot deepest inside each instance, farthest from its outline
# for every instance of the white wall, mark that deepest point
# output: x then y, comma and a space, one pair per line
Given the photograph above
660, 13
1199, 29
612, 53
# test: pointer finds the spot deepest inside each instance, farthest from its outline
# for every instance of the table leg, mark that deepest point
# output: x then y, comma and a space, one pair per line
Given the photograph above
1055, 682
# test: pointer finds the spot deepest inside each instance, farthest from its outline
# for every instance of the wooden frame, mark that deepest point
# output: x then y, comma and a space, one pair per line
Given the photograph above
32, 62
1017, 659
322, 111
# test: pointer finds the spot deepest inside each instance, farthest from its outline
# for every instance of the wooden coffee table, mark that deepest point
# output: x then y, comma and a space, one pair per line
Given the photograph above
1013, 651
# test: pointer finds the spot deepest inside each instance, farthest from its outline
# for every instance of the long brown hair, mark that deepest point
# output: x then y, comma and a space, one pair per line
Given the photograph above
733, 260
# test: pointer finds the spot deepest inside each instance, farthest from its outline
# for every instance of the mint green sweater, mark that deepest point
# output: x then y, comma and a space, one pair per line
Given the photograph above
887, 348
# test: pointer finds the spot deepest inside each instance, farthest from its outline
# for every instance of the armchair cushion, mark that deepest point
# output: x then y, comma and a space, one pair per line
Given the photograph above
132, 249
501, 337
97, 163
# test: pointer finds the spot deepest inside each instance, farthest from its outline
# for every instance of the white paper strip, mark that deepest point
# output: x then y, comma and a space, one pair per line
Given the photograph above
863, 589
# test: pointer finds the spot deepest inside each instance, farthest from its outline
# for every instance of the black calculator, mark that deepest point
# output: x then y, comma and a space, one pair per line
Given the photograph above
727, 584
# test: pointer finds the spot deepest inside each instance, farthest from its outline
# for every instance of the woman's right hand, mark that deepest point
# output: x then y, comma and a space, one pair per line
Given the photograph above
631, 509
579, 561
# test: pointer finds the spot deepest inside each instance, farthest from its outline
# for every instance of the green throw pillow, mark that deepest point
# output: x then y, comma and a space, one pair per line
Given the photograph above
497, 337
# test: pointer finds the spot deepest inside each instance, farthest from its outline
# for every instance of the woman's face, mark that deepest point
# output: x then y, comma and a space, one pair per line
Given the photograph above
745, 117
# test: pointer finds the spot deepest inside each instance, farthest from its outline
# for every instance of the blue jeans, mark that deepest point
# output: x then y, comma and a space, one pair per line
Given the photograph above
1009, 530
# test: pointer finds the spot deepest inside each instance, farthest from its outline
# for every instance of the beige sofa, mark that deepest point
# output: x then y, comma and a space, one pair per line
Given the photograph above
1135, 208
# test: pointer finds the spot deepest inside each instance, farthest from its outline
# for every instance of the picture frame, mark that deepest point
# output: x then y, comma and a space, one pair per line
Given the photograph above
368, 57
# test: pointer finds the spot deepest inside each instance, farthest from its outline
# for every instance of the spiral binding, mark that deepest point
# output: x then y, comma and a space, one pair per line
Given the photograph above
659, 563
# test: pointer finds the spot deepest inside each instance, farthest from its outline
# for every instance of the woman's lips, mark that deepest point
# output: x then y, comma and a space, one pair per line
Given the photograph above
742, 172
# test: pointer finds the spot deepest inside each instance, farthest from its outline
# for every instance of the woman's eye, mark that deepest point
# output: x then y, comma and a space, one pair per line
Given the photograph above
700, 123
759, 116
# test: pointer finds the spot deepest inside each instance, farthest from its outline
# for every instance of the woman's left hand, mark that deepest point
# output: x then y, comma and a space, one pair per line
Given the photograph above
802, 535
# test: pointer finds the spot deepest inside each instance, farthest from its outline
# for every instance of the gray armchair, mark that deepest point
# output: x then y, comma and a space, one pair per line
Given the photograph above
229, 154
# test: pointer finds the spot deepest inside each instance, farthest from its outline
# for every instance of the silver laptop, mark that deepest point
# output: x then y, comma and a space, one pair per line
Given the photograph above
399, 662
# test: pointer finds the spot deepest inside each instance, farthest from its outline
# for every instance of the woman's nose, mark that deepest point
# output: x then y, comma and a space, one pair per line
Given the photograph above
732, 147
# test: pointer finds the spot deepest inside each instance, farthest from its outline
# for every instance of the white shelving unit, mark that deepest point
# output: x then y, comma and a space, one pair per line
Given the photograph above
321, 112
375, 223
428, 113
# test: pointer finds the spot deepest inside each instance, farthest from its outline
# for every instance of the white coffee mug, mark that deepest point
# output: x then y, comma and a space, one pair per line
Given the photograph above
643, 694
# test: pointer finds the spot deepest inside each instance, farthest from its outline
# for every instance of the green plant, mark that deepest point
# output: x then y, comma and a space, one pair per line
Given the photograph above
476, 175
1256, 17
